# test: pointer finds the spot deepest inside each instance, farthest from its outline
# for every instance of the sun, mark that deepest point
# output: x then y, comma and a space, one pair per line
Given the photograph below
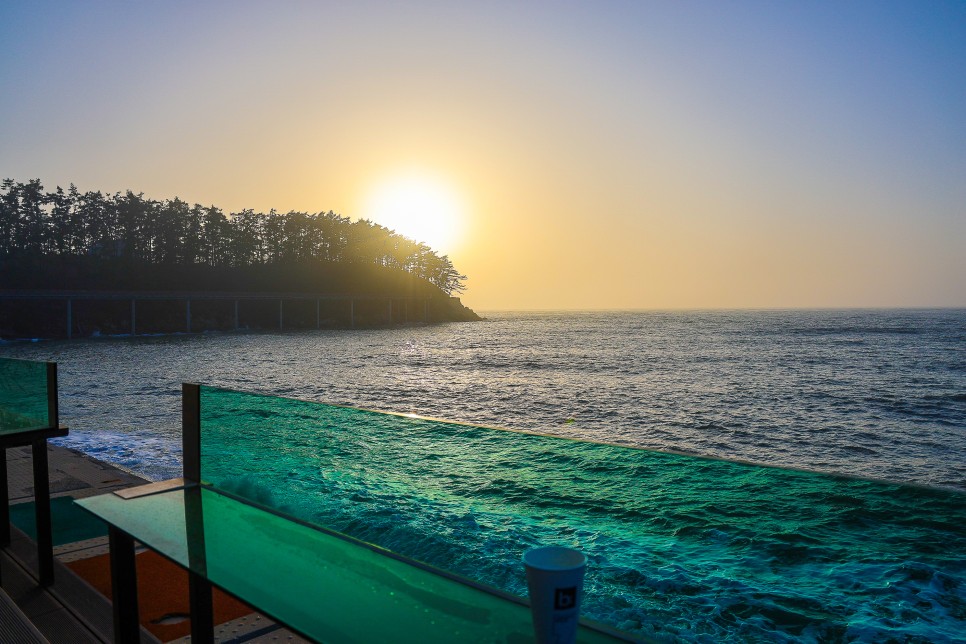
420, 206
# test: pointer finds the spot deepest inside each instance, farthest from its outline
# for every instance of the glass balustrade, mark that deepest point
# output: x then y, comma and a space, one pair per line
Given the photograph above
23, 395
324, 586
678, 546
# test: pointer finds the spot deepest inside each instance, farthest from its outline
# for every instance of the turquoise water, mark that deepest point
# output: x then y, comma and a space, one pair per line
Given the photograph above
679, 547
23, 394
70, 523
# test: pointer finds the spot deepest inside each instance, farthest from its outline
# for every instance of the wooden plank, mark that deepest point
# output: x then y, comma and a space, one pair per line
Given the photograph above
14, 625
151, 488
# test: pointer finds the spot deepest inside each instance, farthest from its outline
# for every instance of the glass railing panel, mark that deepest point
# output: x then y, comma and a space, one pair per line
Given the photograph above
23, 395
678, 546
328, 588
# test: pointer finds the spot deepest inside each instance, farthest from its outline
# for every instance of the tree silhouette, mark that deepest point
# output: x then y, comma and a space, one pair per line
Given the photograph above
130, 227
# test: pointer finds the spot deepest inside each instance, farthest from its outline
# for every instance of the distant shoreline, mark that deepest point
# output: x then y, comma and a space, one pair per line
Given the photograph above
62, 314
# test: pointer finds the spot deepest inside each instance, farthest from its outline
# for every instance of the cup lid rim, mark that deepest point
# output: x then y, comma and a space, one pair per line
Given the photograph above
554, 558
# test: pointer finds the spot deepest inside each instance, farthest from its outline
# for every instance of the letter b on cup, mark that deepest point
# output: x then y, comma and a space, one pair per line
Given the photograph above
565, 598
555, 578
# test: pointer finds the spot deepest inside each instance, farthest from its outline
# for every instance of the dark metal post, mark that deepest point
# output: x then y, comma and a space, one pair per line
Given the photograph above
4, 500
191, 431
53, 406
45, 540
199, 589
124, 587
4, 506
202, 610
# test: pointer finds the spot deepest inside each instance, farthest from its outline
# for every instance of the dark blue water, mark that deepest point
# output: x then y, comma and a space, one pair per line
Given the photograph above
878, 393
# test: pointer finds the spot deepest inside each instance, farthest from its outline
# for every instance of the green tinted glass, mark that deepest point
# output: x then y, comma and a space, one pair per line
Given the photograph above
328, 588
23, 395
677, 545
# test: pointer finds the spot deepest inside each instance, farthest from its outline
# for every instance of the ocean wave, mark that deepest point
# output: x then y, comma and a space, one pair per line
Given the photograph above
861, 397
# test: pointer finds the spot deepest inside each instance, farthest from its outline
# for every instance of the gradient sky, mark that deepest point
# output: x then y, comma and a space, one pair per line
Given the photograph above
605, 154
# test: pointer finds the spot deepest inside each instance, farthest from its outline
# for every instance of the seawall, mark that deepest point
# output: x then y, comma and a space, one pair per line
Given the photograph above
70, 314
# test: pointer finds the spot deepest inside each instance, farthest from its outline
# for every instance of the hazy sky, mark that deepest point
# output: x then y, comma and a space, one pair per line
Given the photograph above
594, 154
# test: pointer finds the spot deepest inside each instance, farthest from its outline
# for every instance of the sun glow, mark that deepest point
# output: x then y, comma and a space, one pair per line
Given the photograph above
418, 206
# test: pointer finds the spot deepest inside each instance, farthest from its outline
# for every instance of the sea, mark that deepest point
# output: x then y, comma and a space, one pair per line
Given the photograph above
876, 394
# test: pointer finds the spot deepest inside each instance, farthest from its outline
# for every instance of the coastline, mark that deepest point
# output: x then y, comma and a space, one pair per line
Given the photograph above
67, 314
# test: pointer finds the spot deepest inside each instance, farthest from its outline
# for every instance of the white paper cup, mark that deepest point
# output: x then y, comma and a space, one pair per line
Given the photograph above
555, 578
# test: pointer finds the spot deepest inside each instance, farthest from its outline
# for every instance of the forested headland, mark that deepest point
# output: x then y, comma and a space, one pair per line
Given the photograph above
93, 241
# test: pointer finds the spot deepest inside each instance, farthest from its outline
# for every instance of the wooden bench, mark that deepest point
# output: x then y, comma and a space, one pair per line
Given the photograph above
321, 584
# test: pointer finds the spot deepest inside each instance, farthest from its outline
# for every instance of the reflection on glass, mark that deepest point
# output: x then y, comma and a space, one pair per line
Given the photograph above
677, 545
324, 586
23, 395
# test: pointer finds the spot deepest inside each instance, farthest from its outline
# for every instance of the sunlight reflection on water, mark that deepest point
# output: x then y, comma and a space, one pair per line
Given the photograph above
873, 393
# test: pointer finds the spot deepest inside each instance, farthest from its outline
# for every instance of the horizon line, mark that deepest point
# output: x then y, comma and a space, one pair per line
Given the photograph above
925, 307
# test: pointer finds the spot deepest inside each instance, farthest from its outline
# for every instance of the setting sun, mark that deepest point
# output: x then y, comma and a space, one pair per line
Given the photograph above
420, 207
